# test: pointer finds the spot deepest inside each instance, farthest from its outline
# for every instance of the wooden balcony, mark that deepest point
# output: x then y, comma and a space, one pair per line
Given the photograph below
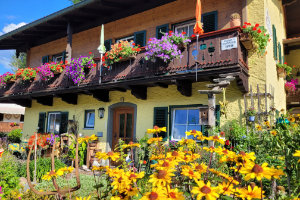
6, 128
138, 74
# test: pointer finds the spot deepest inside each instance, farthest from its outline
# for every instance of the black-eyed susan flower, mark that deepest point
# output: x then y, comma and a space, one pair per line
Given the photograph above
249, 193
276, 173
201, 168
155, 194
130, 145
226, 188
243, 158
211, 149
216, 139
156, 130
273, 132
205, 190
258, 127
252, 170
194, 133
175, 194
297, 154
52, 174
190, 173
161, 178
83, 198
154, 140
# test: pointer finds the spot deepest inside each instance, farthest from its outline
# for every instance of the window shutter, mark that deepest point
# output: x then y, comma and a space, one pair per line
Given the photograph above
279, 53
45, 59
107, 44
218, 115
140, 38
274, 42
22, 118
64, 54
42, 122
1, 117
161, 30
210, 21
64, 122
161, 120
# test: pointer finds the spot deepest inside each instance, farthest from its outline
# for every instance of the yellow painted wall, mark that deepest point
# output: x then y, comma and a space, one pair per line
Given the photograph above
157, 97
293, 58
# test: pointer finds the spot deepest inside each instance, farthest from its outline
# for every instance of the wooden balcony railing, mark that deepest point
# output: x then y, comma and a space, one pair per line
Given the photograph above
5, 127
293, 99
219, 52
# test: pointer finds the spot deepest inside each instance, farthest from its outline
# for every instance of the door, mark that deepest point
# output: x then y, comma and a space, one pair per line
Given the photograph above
123, 125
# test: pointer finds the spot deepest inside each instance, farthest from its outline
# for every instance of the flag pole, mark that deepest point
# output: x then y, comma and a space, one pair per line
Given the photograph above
196, 60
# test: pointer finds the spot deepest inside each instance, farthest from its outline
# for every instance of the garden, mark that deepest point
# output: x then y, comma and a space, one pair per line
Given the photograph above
260, 161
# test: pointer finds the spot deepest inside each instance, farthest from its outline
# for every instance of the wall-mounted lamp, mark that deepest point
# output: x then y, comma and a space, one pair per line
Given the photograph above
101, 112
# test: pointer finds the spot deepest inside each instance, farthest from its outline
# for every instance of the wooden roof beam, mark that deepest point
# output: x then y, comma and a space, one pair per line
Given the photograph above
101, 95
139, 91
184, 87
45, 100
70, 98
23, 102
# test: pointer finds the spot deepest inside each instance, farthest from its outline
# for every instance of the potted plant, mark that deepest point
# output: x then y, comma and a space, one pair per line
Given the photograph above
250, 113
235, 20
283, 69
57, 68
26, 74
255, 38
44, 72
121, 51
76, 69
7, 78
169, 47
290, 86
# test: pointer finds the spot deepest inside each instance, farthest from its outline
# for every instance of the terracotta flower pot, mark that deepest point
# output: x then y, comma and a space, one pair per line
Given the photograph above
246, 41
281, 72
235, 22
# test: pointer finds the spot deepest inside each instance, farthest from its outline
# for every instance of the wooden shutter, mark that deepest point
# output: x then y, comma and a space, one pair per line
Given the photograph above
140, 38
107, 44
210, 21
64, 54
218, 115
161, 120
1, 117
42, 122
64, 122
45, 59
160, 30
274, 42
279, 53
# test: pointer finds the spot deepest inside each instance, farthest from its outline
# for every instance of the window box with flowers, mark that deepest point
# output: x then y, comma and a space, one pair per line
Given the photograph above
57, 68
290, 86
78, 69
169, 47
7, 78
121, 51
255, 38
26, 74
283, 69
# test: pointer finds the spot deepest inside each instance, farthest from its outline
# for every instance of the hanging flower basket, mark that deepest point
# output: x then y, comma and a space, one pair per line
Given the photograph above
281, 72
246, 41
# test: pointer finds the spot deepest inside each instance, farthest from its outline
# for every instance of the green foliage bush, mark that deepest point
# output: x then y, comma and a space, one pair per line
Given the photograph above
43, 166
9, 180
15, 136
2, 134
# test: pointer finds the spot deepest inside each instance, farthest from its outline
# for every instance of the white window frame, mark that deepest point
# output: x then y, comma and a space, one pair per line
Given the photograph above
54, 125
127, 38
57, 59
184, 24
87, 118
184, 108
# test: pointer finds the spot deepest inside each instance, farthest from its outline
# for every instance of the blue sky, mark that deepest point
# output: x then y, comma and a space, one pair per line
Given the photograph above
15, 13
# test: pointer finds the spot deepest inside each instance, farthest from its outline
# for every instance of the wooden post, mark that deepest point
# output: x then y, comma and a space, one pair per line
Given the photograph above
258, 104
35, 147
211, 109
69, 42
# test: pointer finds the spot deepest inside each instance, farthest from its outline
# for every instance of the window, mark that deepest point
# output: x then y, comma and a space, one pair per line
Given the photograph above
161, 30
186, 119
89, 119
59, 57
128, 38
185, 27
54, 122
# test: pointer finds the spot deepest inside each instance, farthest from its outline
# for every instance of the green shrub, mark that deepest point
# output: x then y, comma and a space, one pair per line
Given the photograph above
15, 136
9, 180
43, 166
2, 134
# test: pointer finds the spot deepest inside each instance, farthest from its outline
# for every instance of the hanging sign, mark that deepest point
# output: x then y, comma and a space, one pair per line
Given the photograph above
228, 44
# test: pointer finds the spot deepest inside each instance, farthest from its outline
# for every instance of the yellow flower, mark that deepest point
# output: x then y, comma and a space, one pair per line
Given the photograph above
130, 145
267, 123
194, 133
100, 168
81, 140
297, 154
83, 198
114, 198
244, 158
93, 137
174, 194
164, 164
51, 174
154, 140
189, 172
258, 127
273, 132
175, 155
65, 170
134, 176
110, 155
211, 149
250, 193
161, 177
276, 172
253, 170
205, 190
190, 158
216, 139
226, 188
291, 119
156, 129
155, 194
187, 142
201, 168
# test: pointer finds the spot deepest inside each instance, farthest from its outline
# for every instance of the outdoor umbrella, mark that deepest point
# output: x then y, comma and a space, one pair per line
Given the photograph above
198, 30
101, 50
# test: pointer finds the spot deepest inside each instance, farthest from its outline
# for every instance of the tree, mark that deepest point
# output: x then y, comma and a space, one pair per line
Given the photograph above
20, 62
75, 1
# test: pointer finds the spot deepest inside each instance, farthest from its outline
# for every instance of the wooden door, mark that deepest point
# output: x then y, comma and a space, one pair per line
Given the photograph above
123, 125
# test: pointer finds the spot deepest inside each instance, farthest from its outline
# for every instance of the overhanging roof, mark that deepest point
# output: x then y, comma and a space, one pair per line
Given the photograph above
83, 16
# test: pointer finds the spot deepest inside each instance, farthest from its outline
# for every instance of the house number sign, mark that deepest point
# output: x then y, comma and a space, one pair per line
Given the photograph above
228, 44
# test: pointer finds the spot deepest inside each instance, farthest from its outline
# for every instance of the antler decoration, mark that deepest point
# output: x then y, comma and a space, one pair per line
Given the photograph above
58, 190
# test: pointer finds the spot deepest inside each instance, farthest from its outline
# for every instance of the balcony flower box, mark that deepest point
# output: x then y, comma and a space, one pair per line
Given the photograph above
283, 70
246, 41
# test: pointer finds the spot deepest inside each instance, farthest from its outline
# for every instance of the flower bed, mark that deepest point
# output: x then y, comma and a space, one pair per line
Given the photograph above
169, 47
119, 52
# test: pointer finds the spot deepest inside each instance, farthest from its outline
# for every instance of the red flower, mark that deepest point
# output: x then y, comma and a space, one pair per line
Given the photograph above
245, 23
256, 25
90, 52
193, 36
254, 28
120, 57
144, 162
121, 49
183, 33
285, 63
259, 31
94, 64
244, 26
249, 24
222, 133
170, 32
227, 142
133, 44
150, 39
